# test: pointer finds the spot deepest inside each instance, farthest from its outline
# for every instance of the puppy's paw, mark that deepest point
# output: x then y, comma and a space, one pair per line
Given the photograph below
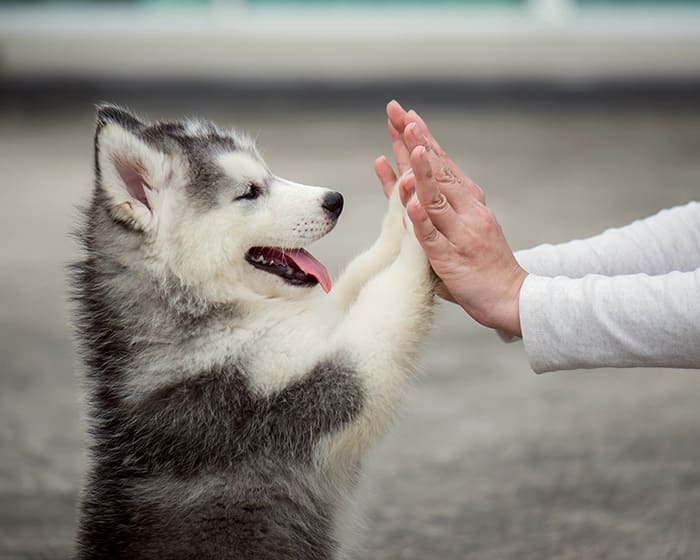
408, 224
412, 251
395, 220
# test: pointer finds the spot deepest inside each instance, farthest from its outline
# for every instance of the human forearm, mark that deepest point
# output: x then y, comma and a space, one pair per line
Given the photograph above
623, 321
667, 241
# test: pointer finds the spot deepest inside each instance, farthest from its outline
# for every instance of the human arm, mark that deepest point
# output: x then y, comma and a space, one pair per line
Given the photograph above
593, 321
667, 241
631, 320
627, 297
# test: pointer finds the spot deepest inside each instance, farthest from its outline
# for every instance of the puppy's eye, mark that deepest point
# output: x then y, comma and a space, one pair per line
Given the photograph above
251, 192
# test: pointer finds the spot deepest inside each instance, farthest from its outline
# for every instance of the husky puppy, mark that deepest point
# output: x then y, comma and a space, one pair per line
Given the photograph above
230, 400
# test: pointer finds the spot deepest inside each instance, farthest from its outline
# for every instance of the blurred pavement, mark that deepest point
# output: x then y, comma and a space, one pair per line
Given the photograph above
489, 461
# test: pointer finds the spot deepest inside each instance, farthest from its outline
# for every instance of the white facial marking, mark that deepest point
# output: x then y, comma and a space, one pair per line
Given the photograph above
241, 167
298, 214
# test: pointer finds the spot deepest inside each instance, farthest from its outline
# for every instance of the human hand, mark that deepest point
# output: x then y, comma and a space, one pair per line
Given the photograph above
396, 123
459, 234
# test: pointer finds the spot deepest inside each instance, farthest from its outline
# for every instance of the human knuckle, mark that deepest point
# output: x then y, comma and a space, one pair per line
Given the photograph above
447, 176
438, 204
431, 236
485, 218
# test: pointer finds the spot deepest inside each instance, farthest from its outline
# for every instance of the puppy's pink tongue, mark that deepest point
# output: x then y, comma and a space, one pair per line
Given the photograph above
306, 262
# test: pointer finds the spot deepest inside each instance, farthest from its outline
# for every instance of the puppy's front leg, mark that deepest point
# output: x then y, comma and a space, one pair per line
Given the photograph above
376, 258
382, 334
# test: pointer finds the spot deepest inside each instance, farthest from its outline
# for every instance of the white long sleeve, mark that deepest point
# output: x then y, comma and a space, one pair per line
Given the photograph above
620, 321
628, 297
665, 242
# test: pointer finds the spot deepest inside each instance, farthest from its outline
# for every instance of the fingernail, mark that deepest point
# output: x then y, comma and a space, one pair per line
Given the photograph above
419, 136
413, 131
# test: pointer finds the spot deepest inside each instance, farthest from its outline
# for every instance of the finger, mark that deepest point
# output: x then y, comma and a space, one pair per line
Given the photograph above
398, 146
453, 184
386, 174
435, 244
428, 138
441, 213
412, 137
407, 187
396, 115
398, 120
412, 116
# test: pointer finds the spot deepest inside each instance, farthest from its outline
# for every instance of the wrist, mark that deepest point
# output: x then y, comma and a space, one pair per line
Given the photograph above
512, 319
505, 316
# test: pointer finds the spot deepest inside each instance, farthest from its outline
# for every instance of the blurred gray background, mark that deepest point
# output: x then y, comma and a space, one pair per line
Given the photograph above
574, 116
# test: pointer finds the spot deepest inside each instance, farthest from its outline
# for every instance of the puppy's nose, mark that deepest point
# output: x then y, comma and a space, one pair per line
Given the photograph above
333, 203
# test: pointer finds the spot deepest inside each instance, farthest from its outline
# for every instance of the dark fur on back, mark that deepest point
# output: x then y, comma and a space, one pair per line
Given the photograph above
203, 466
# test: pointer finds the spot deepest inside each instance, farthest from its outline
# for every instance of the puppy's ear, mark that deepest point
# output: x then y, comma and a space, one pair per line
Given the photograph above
131, 172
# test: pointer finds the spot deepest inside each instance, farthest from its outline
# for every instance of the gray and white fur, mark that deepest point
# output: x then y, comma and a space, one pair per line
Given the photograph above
230, 400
